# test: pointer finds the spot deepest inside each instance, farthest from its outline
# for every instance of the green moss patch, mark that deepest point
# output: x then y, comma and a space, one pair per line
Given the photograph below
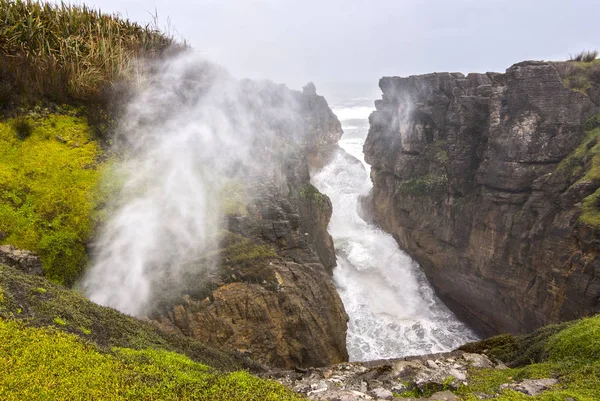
70, 312
236, 248
39, 364
583, 167
310, 192
579, 343
425, 186
48, 172
569, 352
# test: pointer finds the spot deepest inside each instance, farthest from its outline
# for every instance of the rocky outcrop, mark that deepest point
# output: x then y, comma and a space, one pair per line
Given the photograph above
325, 128
429, 377
273, 296
470, 176
26, 261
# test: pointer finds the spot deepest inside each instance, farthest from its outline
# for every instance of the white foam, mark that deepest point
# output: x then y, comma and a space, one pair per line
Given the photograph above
353, 113
392, 308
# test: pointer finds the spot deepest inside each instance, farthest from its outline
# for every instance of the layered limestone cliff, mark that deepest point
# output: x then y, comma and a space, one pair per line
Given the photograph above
481, 179
273, 296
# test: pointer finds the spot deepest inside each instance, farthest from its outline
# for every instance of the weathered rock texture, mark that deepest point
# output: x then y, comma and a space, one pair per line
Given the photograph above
272, 296
26, 261
468, 178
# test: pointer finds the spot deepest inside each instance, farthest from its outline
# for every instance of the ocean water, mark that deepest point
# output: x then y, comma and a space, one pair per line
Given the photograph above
393, 310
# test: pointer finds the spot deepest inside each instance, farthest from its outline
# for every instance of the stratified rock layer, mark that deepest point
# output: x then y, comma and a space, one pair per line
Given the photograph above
467, 177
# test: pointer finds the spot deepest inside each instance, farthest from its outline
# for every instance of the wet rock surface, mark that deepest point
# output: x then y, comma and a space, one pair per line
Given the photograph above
468, 178
26, 261
434, 377
272, 296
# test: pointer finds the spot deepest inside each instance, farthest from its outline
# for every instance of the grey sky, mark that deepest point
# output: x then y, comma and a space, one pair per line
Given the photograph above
325, 41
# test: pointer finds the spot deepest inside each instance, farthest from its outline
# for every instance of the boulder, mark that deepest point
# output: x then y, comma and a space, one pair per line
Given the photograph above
26, 261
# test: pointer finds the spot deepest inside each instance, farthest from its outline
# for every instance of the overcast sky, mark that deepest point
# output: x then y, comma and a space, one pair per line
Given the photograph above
325, 41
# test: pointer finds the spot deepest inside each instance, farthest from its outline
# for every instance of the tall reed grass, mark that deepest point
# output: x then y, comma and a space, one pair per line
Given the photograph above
63, 51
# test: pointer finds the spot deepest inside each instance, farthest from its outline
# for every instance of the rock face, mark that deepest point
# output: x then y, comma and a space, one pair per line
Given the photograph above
26, 261
273, 296
469, 177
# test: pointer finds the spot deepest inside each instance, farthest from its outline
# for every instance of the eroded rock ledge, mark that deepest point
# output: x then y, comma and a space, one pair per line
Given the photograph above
468, 178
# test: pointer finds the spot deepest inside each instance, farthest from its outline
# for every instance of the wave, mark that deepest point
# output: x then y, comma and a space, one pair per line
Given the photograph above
353, 113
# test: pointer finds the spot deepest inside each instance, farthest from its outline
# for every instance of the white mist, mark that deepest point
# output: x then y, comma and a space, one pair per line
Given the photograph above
189, 130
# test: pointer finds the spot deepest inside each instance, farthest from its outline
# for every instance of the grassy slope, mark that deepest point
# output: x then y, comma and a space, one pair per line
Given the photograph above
569, 352
55, 344
46, 364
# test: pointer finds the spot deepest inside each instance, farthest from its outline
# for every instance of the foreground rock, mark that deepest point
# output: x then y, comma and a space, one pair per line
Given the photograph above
432, 377
26, 261
471, 177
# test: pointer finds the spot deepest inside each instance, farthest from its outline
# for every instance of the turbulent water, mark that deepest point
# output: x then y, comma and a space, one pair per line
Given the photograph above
393, 309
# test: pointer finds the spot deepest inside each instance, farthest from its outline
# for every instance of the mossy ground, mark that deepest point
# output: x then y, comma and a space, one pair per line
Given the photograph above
569, 352
41, 303
49, 171
46, 364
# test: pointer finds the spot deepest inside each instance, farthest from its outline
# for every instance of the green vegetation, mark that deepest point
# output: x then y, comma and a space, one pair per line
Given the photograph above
43, 363
67, 52
235, 248
47, 178
518, 351
70, 312
579, 75
583, 165
587, 56
427, 185
310, 192
569, 352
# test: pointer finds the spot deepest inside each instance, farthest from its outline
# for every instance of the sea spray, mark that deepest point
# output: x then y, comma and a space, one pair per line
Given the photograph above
187, 132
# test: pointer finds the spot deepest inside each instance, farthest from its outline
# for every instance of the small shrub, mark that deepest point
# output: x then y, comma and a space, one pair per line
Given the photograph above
23, 128
592, 123
586, 56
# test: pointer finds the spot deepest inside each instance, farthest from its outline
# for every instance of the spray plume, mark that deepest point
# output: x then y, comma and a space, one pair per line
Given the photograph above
190, 129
